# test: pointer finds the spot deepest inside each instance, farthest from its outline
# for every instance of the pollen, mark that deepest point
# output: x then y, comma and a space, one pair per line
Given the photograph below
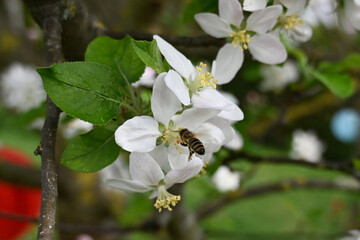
291, 22
165, 200
203, 170
206, 79
240, 38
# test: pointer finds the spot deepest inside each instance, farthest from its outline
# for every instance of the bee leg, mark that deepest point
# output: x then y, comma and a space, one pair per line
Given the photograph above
183, 144
191, 153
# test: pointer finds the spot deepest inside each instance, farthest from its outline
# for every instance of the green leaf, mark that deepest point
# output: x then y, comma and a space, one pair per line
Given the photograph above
118, 55
340, 84
199, 6
91, 152
89, 91
351, 62
150, 55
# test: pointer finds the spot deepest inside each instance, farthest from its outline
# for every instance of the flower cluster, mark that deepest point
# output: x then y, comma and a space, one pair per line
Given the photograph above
191, 121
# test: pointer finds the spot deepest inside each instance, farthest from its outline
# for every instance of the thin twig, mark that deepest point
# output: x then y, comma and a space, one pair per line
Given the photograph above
345, 167
198, 41
292, 184
19, 175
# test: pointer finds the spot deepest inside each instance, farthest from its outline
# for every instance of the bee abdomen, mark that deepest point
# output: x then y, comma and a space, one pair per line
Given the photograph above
197, 146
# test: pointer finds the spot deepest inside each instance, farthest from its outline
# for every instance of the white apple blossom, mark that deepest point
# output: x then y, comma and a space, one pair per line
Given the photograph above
196, 86
254, 35
355, 235
306, 146
147, 175
226, 180
144, 133
290, 22
21, 88
275, 78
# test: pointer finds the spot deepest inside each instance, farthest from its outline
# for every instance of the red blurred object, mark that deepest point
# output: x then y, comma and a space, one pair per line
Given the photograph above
16, 199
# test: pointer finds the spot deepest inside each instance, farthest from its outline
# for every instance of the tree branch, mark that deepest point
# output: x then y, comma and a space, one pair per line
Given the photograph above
345, 167
291, 184
48, 14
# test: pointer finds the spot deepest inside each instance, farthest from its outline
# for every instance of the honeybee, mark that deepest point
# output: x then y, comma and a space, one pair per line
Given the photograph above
189, 140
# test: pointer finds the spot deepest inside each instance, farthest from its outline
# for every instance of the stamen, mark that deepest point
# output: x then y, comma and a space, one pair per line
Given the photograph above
165, 199
292, 22
240, 38
206, 79
203, 170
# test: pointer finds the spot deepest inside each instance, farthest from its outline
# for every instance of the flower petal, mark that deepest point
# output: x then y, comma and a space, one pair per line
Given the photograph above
160, 155
301, 34
254, 5
232, 113
178, 160
126, 185
267, 49
138, 134
192, 118
210, 98
263, 20
143, 168
236, 143
164, 103
211, 136
176, 59
228, 62
231, 11
213, 25
293, 6
181, 175
176, 84
225, 127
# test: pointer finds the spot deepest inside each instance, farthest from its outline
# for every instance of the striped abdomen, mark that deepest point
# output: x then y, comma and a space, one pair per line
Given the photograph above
197, 146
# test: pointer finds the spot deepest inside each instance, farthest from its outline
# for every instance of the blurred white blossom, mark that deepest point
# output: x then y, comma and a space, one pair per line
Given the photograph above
21, 88
306, 146
349, 17
277, 78
321, 12
76, 127
226, 180
355, 235
147, 79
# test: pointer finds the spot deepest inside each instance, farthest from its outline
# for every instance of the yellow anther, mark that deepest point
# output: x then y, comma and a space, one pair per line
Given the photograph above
292, 22
240, 38
203, 170
165, 199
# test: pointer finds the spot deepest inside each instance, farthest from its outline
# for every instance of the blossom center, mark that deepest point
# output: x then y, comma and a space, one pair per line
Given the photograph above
240, 38
165, 199
291, 22
202, 79
171, 136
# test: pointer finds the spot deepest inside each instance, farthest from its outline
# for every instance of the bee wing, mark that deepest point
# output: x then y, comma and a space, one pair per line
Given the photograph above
211, 136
